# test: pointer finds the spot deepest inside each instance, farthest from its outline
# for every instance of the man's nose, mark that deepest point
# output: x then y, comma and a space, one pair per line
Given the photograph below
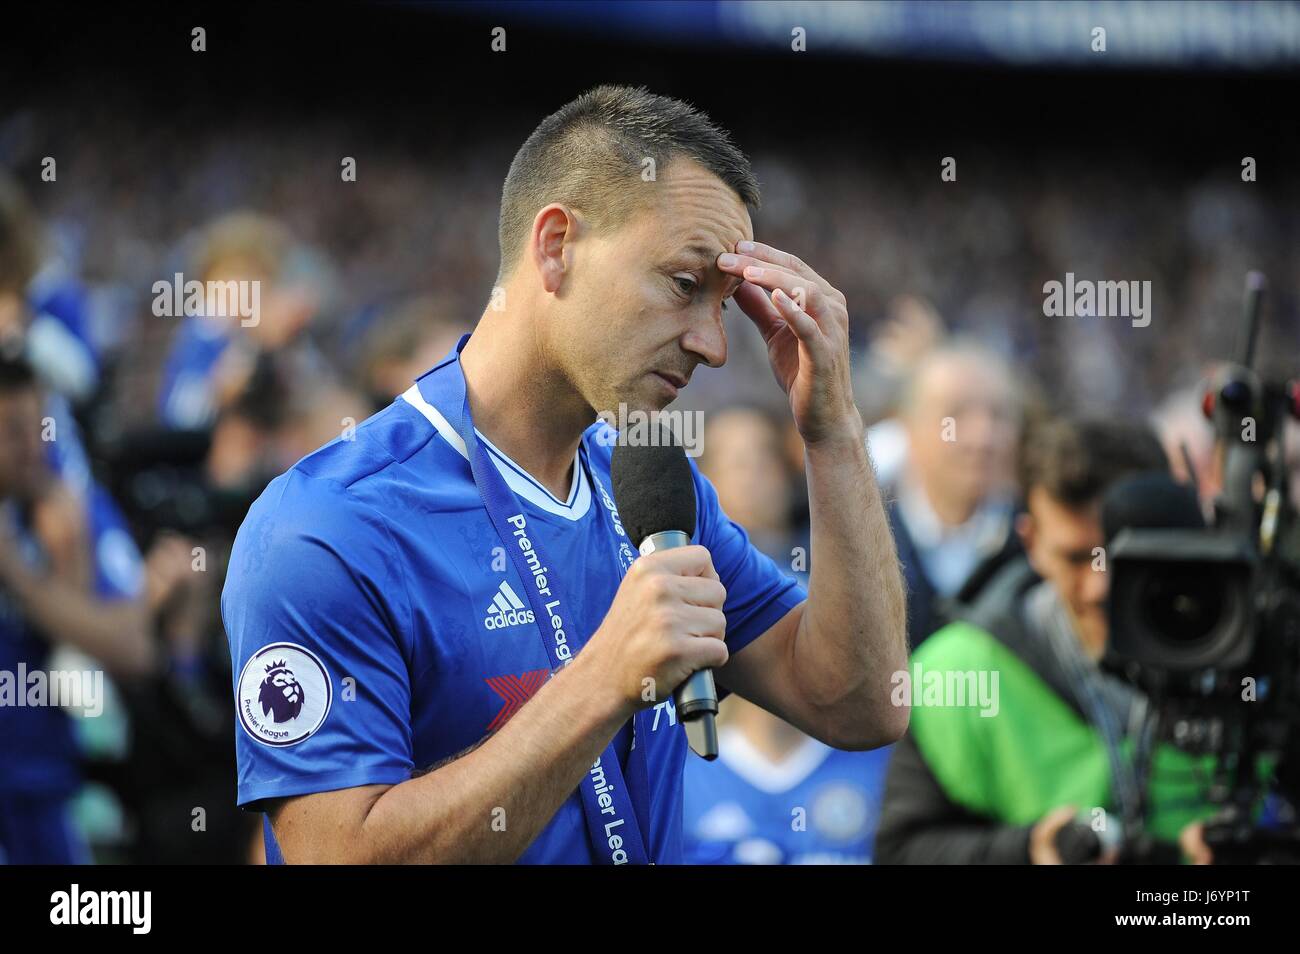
707, 338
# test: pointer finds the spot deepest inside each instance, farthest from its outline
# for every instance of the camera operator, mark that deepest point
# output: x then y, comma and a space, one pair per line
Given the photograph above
999, 786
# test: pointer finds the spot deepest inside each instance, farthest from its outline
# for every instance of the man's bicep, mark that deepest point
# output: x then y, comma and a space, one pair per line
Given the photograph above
324, 827
315, 612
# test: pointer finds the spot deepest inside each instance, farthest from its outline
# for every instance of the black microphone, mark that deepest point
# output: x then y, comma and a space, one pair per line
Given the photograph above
655, 496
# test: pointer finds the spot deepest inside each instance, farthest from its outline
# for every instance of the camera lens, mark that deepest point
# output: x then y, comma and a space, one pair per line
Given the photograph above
1183, 608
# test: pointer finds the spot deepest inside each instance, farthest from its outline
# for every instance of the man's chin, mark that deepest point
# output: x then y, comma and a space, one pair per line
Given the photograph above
629, 411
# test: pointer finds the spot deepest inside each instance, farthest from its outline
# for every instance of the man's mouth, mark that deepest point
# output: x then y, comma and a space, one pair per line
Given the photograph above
675, 381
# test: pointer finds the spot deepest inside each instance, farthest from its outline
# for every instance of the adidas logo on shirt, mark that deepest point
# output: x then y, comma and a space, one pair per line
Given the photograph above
507, 610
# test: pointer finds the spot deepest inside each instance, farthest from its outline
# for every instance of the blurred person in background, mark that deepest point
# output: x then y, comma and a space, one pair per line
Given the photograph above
214, 356
275, 420
745, 458
174, 782
40, 300
912, 329
257, 385
953, 502
43, 314
1188, 438
995, 785
406, 341
774, 795
68, 578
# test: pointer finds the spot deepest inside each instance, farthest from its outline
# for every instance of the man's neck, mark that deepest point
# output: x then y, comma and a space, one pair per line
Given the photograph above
522, 404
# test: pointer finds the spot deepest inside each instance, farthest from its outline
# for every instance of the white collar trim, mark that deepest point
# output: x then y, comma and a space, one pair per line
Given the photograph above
758, 770
516, 478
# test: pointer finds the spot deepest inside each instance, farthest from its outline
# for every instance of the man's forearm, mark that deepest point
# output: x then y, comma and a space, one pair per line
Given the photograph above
852, 634
489, 805
115, 633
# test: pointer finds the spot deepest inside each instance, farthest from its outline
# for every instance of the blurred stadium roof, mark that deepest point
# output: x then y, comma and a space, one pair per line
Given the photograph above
1172, 33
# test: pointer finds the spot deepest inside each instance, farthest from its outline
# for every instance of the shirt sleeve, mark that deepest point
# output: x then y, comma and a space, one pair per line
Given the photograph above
315, 607
758, 592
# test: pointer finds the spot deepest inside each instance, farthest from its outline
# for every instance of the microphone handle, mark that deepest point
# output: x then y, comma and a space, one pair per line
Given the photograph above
696, 699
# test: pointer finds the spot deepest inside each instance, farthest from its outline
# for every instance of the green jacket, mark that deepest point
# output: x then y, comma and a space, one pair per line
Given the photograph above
1037, 752
965, 787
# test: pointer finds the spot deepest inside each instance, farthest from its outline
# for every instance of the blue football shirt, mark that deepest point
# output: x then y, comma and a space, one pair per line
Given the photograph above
377, 624
817, 806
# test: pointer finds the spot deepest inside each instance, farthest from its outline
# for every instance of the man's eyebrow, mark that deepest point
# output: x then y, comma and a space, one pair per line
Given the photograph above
703, 253
707, 255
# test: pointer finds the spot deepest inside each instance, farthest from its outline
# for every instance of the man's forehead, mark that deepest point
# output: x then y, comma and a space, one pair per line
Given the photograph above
1083, 520
697, 207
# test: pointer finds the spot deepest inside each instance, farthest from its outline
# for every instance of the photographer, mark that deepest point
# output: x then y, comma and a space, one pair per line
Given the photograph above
998, 785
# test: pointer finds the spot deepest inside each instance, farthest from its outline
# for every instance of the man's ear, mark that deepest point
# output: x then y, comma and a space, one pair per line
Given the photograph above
554, 227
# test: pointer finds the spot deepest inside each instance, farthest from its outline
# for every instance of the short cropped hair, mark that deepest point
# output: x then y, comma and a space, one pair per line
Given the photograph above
1076, 459
587, 153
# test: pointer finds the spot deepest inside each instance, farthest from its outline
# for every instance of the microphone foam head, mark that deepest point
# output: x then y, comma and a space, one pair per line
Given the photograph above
653, 488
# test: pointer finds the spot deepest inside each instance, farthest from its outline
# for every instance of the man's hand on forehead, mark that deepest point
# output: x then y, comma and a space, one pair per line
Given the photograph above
805, 322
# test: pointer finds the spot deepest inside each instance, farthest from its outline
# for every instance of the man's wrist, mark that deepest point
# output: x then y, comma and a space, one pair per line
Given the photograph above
847, 440
601, 697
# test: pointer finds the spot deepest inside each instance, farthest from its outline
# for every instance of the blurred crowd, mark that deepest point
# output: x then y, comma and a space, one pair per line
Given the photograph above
157, 431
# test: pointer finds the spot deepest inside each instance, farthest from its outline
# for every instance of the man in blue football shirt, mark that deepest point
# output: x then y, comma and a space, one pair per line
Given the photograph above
776, 797
406, 606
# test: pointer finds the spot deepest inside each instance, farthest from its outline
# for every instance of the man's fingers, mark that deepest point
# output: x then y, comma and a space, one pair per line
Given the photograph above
1060, 817
707, 654
703, 645
753, 301
802, 277
796, 286
776, 256
691, 560
701, 591
803, 325
704, 621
